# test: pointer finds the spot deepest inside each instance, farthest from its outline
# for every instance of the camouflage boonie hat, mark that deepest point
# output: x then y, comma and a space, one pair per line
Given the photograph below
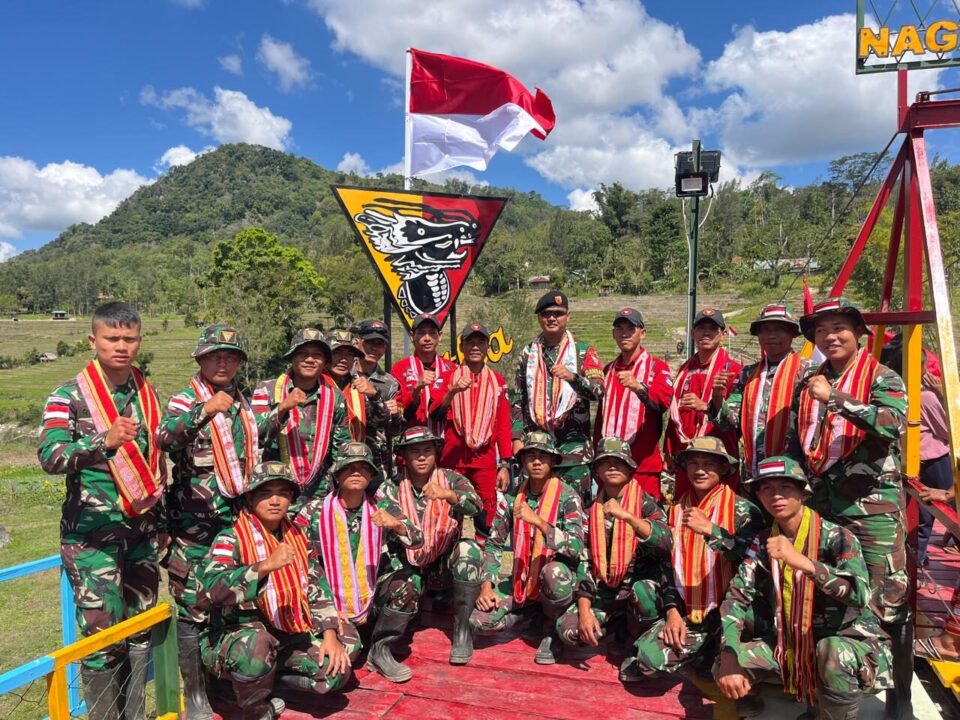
539, 440
305, 336
779, 466
219, 336
833, 306
353, 452
341, 338
776, 313
416, 434
707, 445
616, 448
267, 471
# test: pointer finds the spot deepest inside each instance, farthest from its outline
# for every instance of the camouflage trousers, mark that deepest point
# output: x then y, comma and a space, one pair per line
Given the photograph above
188, 553
654, 656
401, 584
635, 599
556, 594
251, 655
580, 479
844, 665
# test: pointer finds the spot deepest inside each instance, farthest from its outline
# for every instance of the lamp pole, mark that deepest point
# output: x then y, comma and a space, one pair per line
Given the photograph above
692, 238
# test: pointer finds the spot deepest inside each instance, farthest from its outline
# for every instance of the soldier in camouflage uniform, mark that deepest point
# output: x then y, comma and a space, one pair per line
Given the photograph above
287, 410
711, 524
110, 551
612, 582
557, 379
374, 341
209, 411
273, 616
849, 414
828, 656
543, 521
437, 501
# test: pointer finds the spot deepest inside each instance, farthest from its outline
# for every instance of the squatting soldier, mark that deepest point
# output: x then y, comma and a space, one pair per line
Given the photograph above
420, 374
849, 414
301, 418
637, 391
436, 501
712, 530
211, 435
272, 617
692, 391
557, 379
806, 580
374, 342
98, 431
758, 406
543, 522
627, 542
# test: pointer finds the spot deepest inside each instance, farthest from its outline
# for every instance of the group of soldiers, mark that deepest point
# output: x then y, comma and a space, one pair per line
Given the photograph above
766, 538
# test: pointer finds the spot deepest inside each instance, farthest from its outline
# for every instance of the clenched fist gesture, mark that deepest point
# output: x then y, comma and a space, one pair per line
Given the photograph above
282, 556
123, 430
435, 491
382, 519
819, 388
219, 403
294, 399
428, 378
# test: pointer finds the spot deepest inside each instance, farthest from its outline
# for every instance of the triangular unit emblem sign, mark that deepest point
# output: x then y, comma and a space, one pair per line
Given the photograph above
423, 245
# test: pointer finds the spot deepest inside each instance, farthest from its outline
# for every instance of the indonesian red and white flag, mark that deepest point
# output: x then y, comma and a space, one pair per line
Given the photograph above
461, 112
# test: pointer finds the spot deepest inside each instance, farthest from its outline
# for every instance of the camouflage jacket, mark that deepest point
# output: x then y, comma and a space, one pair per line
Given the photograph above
565, 538
71, 445
866, 482
651, 552
377, 417
573, 438
382, 427
234, 588
840, 606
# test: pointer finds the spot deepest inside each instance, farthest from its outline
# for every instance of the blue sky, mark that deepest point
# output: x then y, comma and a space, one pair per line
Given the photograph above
100, 97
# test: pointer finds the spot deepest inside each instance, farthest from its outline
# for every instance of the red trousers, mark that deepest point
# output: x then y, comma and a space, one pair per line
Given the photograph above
649, 482
484, 480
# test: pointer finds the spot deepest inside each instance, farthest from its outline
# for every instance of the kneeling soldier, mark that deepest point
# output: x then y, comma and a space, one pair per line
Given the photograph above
436, 501
807, 582
544, 523
272, 607
628, 539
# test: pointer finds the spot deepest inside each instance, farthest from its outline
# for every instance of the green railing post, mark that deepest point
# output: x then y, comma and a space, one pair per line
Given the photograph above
165, 668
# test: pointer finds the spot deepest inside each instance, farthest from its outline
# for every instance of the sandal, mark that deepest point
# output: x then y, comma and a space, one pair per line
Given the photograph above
927, 648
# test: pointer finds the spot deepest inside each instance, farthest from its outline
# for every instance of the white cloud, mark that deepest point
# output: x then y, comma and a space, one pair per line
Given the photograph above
582, 199
353, 163
228, 118
7, 251
58, 194
292, 70
231, 63
179, 155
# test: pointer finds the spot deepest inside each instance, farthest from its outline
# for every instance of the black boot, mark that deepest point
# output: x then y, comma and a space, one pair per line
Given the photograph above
550, 646
839, 706
464, 601
390, 626
101, 692
196, 706
899, 705
253, 697
135, 691
300, 683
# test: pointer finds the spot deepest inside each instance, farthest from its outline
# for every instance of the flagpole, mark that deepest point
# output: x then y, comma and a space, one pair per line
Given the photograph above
407, 124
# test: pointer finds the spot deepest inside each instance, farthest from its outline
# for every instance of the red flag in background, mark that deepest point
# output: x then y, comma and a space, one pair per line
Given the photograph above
807, 297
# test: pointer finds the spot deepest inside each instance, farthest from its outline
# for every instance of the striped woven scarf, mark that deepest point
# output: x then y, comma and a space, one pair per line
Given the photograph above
352, 577
438, 525
778, 409
624, 542
475, 409
304, 460
530, 551
623, 410
549, 409
689, 428
231, 475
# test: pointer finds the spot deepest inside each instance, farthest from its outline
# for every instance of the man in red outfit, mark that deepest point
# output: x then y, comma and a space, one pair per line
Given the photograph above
419, 374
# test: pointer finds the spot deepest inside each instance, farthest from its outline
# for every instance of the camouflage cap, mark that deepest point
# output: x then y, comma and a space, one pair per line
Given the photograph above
306, 336
341, 338
267, 471
779, 466
616, 448
219, 336
833, 306
776, 313
539, 440
707, 445
354, 452
416, 434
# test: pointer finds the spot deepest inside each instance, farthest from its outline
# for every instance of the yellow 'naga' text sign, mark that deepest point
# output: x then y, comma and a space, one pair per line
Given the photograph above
500, 345
937, 38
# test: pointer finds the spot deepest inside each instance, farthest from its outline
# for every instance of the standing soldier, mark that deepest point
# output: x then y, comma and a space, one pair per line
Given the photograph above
436, 501
211, 435
712, 530
759, 403
692, 391
543, 522
473, 404
807, 581
420, 374
98, 431
301, 418
557, 378
374, 342
273, 617
637, 391
850, 413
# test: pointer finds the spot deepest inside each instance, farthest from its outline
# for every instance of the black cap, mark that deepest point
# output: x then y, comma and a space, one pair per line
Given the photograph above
474, 329
373, 330
631, 315
553, 299
423, 318
710, 315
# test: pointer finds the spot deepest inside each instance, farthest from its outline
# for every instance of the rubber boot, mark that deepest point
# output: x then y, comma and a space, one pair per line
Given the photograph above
550, 646
464, 601
101, 692
839, 706
300, 683
253, 697
899, 703
196, 705
135, 691
390, 626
